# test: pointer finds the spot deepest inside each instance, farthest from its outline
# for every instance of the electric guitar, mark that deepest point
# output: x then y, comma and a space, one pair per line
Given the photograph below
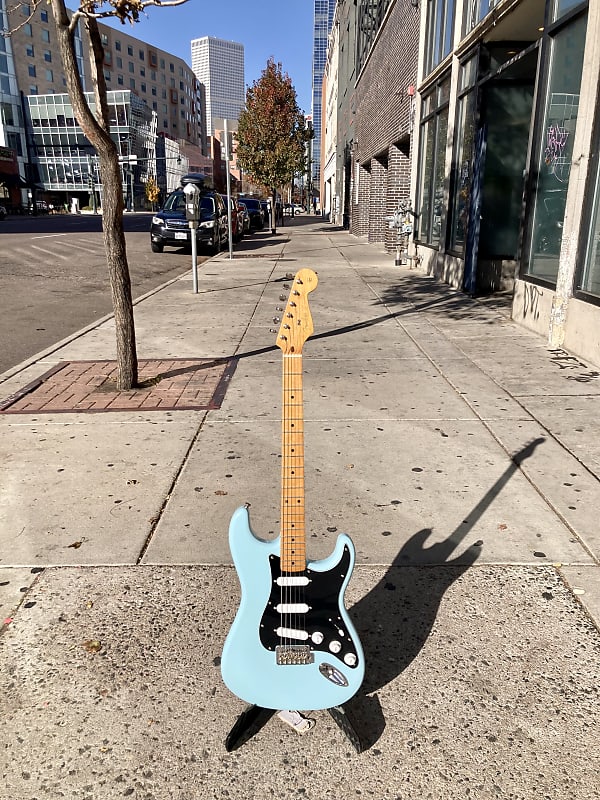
292, 644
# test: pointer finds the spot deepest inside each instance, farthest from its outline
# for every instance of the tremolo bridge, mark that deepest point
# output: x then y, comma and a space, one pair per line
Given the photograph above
294, 654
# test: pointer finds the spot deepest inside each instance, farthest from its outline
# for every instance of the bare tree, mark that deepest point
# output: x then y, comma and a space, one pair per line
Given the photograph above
97, 130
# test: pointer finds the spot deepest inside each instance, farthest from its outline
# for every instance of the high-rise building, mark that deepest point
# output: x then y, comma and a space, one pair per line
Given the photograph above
219, 66
324, 11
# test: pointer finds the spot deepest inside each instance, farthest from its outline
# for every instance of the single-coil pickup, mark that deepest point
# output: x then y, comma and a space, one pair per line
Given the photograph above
292, 608
291, 633
292, 580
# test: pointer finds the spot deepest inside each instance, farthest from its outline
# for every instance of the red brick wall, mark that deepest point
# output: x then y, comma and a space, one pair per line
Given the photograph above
383, 123
378, 204
398, 183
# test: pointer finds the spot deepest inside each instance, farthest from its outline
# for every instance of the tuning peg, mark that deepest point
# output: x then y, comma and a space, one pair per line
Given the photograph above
286, 286
289, 276
276, 319
272, 330
283, 297
278, 308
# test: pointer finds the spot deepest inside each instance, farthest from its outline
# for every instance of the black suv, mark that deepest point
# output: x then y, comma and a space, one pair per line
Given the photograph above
170, 226
255, 211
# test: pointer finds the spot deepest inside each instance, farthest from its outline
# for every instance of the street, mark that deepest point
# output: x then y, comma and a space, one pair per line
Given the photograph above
54, 278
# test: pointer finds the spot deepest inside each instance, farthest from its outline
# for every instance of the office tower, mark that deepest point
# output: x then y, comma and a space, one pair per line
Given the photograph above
219, 66
324, 11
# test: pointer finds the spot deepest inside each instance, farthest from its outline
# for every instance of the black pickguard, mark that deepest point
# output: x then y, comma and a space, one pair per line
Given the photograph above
322, 595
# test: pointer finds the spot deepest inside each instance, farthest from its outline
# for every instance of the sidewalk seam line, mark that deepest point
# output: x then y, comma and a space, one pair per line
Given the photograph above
159, 514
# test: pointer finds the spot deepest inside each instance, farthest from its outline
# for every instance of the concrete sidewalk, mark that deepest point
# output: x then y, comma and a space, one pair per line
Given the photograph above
458, 451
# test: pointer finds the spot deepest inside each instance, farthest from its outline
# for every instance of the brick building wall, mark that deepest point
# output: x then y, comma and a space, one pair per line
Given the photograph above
398, 184
360, 210
378, 197
384, 121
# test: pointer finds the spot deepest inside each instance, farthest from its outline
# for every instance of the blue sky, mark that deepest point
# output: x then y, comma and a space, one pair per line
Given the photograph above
282, 29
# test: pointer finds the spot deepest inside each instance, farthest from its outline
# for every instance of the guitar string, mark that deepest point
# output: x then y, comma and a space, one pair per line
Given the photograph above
299, 466
292, 506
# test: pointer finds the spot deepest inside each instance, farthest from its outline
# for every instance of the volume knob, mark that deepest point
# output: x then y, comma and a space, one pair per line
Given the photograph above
317, 637
335, 646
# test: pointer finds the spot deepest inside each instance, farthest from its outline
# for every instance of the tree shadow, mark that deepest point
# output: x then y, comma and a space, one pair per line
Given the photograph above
395, 618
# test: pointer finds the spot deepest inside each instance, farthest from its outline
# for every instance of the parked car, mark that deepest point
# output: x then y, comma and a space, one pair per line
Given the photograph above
170, 227
293, 209
244, 217
266, 206
236, 227
3, 212
257, 219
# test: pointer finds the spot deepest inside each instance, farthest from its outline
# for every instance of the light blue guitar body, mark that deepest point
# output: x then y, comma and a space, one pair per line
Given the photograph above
249, 665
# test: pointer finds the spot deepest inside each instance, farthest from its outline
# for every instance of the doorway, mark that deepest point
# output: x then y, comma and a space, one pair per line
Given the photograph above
506, 97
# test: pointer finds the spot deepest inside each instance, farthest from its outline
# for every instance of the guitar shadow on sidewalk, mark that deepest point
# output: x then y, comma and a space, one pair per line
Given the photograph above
395, 618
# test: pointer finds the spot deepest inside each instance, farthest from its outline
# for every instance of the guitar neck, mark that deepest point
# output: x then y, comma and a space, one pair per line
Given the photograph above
293, 536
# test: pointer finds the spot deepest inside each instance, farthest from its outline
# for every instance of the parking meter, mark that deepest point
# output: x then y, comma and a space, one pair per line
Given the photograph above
192, 212
401, 221
192, 198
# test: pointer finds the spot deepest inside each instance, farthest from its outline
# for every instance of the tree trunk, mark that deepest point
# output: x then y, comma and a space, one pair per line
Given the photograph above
98, 133
118, 269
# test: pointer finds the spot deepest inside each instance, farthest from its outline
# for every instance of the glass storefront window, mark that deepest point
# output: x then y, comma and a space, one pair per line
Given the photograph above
463, 171
433, 138
440, 32
590, 278
426, 162
555, 150
561, 7
474, 12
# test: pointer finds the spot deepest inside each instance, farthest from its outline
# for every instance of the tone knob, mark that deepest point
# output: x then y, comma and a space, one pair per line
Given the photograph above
335, 646
317, 637
350, 659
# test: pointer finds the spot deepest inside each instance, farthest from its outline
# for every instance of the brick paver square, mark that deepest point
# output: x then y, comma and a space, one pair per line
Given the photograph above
164, 385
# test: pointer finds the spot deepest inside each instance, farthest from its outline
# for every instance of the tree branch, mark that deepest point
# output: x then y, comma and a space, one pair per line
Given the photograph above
98, 79
122, 9
9, 11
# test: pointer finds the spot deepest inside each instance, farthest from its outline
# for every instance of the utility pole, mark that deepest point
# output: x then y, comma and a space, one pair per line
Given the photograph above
227, 159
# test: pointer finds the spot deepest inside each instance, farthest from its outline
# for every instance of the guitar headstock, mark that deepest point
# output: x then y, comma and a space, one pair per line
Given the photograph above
296, 321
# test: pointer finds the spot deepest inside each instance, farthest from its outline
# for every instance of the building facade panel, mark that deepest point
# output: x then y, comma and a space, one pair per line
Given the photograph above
507, 165
324, 11
385, 104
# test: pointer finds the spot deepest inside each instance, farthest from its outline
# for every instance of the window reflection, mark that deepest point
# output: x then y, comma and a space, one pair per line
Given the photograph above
434, 133
555, 150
